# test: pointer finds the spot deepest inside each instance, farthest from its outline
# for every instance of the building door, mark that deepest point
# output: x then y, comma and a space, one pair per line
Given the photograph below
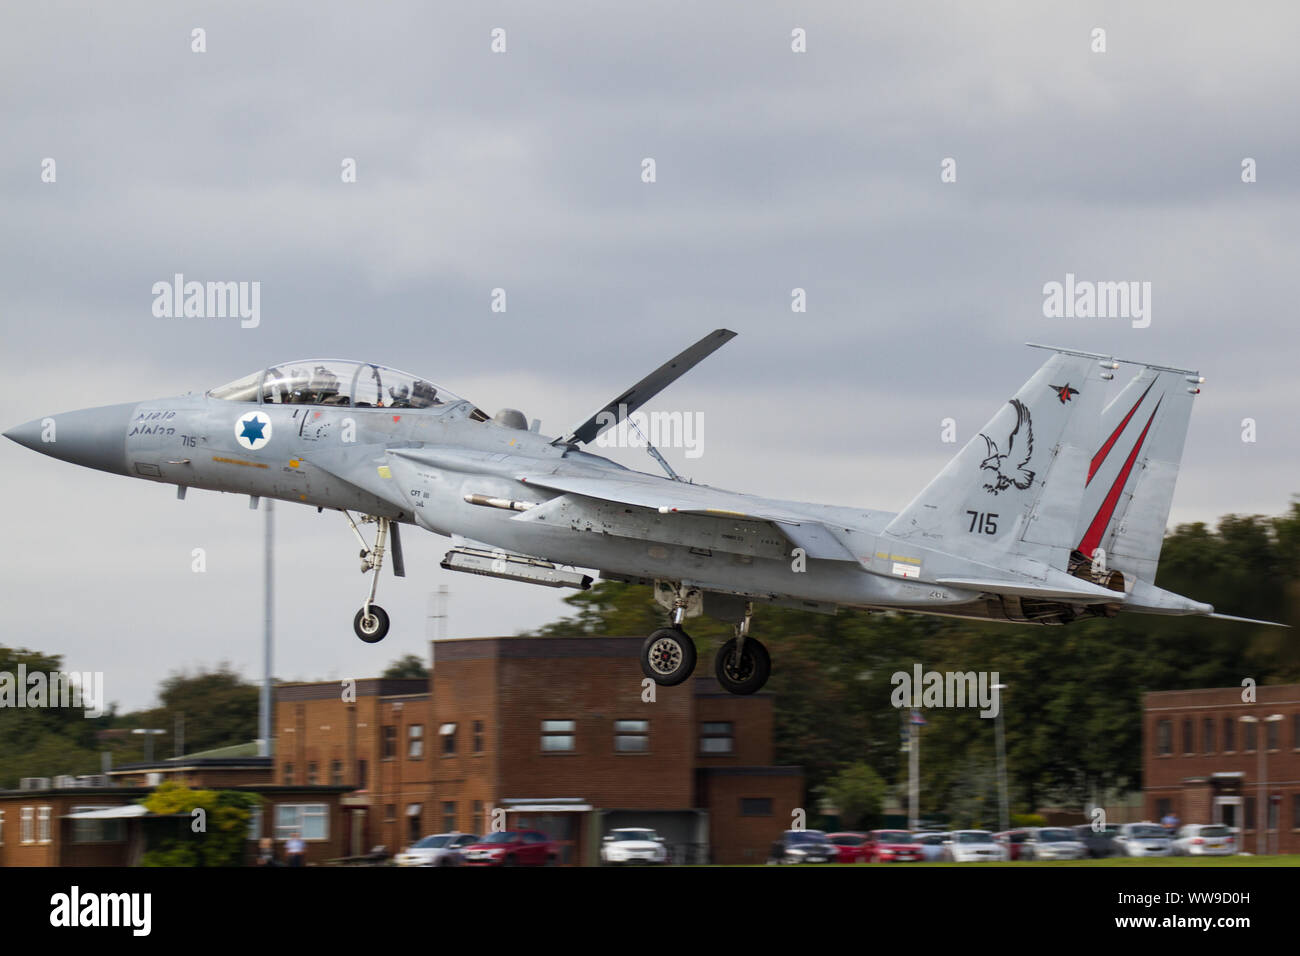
1227, 810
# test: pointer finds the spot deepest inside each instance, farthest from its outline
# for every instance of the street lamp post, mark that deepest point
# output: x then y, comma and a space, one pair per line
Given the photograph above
1262, 807
1004, 816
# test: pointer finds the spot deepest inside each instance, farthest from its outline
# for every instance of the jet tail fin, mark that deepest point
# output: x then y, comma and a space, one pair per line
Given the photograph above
1016, 488
1133, 469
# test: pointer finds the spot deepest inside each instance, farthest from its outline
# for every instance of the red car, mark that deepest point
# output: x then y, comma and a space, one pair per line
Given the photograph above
849, 847
512, 848
892, 846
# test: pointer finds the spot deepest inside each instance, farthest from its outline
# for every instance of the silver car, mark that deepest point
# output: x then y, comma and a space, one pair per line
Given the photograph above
1052, 843
1144, 839
440, 849
1204, 839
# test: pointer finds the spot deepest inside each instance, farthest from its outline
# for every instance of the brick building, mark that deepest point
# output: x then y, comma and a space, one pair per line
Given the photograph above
558, 734
1204, 762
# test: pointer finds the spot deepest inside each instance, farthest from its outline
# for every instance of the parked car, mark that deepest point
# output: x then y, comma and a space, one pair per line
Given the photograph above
440, 849
1013, 841
1144, 839
1204, 839
803, 846
850, 847
1099, 843
633, 845
973, 846
512, 848
931, 844
1052, 843
892, 846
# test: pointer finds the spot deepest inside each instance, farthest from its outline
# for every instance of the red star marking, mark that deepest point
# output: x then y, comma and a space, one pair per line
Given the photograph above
397, 418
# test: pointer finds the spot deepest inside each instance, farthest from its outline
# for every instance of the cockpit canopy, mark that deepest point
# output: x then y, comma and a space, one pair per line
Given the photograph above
335, 382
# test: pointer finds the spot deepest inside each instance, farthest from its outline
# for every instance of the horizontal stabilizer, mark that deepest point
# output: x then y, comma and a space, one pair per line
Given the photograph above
1082, 592
1248, 620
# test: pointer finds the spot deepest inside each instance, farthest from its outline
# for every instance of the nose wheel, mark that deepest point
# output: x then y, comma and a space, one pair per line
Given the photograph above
371, 622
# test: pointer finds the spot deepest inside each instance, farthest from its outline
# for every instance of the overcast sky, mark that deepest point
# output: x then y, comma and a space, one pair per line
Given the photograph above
522, 170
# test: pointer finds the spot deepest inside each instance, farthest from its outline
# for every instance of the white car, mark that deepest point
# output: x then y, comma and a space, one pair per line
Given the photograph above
931, 845
1144, 839
440, 849
1204, 839
1052, 843
973, 846
633, 845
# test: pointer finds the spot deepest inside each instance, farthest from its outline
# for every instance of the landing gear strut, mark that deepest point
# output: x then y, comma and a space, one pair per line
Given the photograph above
742, 665
371, 622
668, 654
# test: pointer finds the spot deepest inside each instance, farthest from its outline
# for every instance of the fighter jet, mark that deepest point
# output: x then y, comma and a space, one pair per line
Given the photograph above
1053, 512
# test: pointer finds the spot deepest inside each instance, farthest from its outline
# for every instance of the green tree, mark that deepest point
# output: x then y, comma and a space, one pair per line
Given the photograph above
214, 836
408, 666
859, 794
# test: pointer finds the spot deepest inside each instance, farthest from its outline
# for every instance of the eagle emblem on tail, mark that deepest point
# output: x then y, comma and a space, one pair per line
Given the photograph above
1021, 477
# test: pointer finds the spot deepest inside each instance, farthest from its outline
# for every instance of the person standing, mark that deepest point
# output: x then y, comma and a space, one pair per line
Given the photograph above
296, 849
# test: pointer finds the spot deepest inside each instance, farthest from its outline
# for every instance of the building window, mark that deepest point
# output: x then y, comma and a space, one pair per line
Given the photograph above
312, 778
288, 774
449, 816
755, 806
1295, 811
390, 742
1163, 806
415, 741
1295, 731
390, 812
1189, 740
478, 736
631, 736
1164, 738
558, 735
1271, 734
336, 772
717, 737
477, 823
363, 769
97, 831
1207, 734
27, 833
255, 822
448, 734
2, 828
1229, 735
43, 825
309, 820
1250, 736
1250, 813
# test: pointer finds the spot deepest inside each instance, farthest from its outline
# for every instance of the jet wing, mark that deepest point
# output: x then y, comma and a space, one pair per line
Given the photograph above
670, 497
618, 408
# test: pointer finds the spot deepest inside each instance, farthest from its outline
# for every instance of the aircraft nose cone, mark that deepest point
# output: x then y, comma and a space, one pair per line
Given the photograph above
93, 437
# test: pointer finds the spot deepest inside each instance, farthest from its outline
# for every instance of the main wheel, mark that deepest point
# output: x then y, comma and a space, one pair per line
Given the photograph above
372, 627
668, 656
742, 673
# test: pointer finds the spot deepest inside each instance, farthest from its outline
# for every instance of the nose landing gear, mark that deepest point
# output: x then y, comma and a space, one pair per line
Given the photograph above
371, 622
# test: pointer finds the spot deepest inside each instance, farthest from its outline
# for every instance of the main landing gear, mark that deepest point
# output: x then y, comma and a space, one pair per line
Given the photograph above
668, 656
743, 664
371, 622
